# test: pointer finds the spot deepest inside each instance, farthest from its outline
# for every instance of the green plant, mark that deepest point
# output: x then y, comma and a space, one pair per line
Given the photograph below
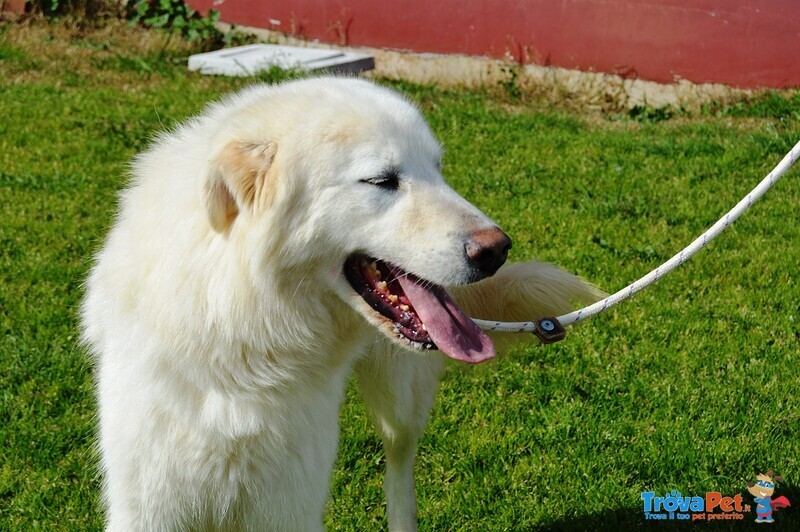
767, 104
47, 7
275, 74
82, 10
175, 15
234, 37
511, 81
648, 114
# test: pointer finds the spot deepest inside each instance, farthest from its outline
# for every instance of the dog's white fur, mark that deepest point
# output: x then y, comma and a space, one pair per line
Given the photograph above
223, 329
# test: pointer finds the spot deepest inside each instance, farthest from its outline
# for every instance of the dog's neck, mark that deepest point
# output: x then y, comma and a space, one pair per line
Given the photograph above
273, 354
284, 343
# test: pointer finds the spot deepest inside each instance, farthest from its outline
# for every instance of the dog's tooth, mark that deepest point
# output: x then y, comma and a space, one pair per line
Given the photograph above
382, 286
373, 269
405, 307
424, 328
392, 297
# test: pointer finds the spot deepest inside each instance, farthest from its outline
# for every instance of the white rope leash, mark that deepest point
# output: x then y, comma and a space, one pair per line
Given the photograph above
550, 330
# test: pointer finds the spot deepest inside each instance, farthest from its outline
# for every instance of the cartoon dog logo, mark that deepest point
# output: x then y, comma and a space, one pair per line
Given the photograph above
762, 491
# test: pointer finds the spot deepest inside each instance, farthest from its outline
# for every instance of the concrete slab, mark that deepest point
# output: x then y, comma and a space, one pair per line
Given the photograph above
250, 59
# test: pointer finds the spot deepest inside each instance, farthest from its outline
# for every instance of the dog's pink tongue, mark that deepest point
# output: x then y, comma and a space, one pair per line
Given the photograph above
453, 332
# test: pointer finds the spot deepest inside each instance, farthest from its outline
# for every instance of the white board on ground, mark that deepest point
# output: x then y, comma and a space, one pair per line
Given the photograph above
252, 58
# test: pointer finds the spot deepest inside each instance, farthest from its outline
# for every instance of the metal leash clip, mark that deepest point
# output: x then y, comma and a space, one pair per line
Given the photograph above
549, 330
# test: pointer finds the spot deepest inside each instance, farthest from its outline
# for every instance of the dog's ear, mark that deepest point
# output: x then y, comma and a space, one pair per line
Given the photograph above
237, 179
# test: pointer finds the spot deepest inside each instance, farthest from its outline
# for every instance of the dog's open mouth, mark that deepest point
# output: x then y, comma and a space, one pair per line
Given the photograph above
422, 313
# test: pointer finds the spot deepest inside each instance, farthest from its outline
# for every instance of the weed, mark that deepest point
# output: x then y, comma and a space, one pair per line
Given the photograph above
510, 81
11, 53
766, 104
85, 12
177, 16
275, 74
651, 115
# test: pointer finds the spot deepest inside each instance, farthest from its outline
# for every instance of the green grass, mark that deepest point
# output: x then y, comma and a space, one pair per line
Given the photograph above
692, 386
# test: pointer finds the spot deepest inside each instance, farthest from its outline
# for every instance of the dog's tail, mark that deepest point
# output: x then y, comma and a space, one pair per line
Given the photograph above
521, 292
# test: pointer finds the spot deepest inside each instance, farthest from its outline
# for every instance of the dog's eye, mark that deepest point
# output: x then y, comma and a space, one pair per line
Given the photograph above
388, 180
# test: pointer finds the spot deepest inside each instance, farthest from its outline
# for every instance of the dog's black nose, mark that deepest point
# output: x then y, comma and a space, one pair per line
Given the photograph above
487, 249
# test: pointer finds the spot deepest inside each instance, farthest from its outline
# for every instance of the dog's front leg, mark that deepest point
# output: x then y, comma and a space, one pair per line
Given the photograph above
398, 387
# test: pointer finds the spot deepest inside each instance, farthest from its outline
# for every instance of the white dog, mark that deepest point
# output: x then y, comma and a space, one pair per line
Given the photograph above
262, 252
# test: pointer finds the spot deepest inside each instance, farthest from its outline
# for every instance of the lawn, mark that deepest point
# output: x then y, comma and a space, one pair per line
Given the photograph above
691, 386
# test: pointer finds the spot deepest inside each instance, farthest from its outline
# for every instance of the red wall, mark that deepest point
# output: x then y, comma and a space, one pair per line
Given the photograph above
14, 6
745, 43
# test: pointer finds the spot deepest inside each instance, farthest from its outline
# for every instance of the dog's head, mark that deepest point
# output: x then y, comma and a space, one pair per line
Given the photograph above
343, 177
764, 485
